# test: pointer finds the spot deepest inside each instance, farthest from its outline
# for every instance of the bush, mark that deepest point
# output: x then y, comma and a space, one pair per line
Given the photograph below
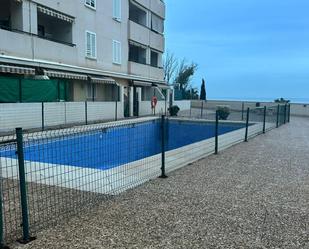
223, 112
257, 104
282, 101
173, 110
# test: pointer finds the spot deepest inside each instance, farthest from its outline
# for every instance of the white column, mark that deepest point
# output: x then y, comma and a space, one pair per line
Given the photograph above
131, 100
120, 105
139, 92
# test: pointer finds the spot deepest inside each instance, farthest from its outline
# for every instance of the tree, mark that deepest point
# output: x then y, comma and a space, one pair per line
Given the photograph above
192, 93
203, 90
170, 65
184, 74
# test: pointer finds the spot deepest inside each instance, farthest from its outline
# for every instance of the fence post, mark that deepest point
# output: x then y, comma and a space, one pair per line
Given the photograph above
216, 132
2, 246
163, 175
289, 115
242, 110
264, 120
65, 113
116, 110
86, 113
278, 110
43, 117
247, 125
202, 108
23, 188
285, 110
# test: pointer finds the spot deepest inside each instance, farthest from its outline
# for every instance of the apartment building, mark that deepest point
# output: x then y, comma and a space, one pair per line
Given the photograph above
82, 50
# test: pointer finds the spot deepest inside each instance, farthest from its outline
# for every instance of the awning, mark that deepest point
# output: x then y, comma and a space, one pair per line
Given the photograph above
142, 83
136, 44
65, 75
162, 86
103, 80
17, 70
56, 14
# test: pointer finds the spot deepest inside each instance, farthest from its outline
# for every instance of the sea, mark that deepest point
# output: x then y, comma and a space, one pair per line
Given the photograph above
293, 100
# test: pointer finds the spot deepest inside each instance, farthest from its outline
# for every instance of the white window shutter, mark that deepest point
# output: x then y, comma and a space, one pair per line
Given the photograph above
117, 9
88, 44
116, 52
93, 46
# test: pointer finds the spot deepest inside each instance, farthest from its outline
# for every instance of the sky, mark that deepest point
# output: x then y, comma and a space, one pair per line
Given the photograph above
245, 49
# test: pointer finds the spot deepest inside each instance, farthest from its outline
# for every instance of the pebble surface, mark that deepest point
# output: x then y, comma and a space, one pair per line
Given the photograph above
253, 195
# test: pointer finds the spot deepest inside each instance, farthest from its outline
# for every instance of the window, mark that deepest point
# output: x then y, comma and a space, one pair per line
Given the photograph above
91, 91
90, 3
91, 45
154, 59
117, 10
137, 53
157, 24
116, 52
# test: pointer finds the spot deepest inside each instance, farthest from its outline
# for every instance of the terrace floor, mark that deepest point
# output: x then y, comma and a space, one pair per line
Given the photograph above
253, 195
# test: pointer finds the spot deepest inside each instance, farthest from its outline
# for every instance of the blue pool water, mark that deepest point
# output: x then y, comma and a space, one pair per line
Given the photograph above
108, 148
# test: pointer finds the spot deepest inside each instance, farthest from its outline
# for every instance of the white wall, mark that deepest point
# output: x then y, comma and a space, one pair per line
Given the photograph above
296, 109
145, 108
20, 115
183, 104
29, 115
300, 110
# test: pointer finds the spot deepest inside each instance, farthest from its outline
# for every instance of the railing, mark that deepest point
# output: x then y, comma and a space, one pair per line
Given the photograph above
47, 177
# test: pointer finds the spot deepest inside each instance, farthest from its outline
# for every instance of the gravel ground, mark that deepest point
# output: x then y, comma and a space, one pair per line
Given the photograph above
253, 195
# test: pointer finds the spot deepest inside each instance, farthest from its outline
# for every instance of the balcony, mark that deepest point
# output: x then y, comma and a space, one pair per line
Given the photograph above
144, 35
157, 41
139, 69
54, 26
139, 33
156, 73
146, 71
15, 44
20, 44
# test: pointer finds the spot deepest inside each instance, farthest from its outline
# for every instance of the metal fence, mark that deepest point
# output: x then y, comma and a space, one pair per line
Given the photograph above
47, 177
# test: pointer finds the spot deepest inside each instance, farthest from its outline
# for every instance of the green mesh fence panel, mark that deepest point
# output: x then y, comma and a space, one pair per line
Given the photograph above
9, 90
32, 90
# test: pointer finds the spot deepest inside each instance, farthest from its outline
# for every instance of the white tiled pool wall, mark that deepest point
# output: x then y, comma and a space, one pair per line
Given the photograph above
119, 179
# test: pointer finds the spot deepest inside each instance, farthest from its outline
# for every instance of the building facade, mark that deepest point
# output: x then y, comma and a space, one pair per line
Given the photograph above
82, 50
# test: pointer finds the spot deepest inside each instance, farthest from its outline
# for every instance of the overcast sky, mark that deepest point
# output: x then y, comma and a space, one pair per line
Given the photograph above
244, 48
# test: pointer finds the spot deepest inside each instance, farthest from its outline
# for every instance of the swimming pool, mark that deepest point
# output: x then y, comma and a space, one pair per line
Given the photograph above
111, 147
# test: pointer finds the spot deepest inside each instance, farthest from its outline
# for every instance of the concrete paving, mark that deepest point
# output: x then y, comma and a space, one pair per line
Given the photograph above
253, 195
